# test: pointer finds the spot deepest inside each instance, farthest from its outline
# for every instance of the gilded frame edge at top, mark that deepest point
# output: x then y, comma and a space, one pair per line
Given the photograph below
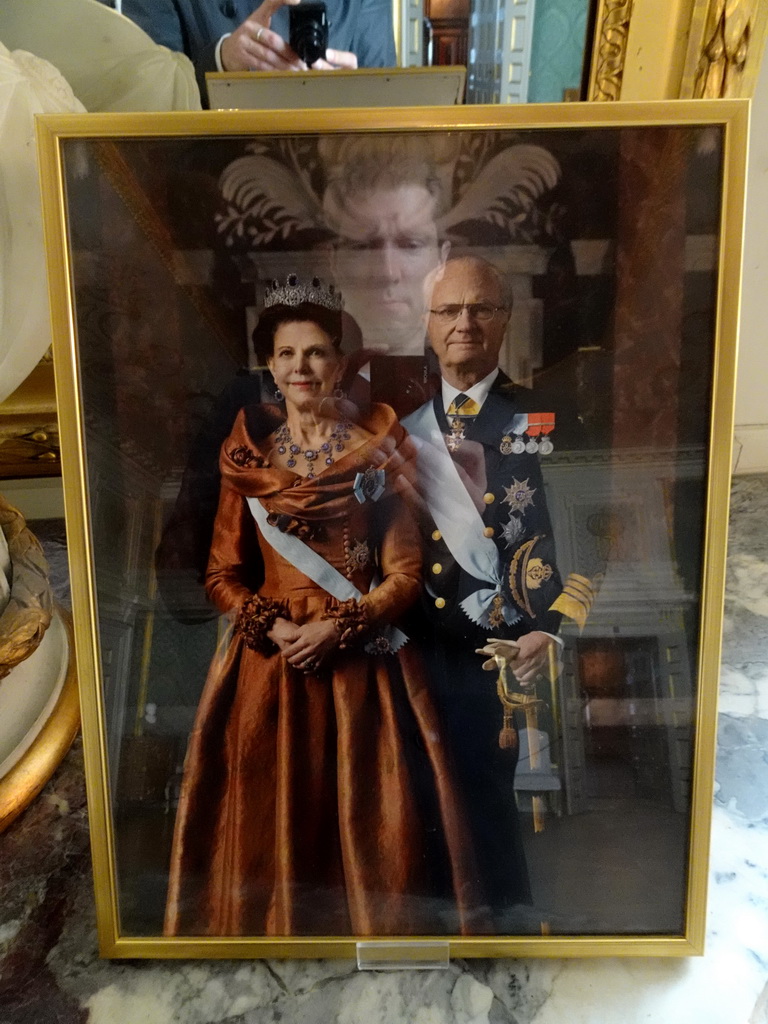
52, 130
608, 49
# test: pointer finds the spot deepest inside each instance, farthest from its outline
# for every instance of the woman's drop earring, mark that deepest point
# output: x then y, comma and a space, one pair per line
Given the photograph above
279, 397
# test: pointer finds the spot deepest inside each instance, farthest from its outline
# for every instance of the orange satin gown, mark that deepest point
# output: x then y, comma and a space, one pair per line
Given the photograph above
319, 803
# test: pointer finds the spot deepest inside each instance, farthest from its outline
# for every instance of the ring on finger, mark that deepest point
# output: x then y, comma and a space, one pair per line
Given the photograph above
258, 35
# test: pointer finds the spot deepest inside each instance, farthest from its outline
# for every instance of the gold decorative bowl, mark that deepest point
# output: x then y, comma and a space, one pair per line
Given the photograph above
39, 714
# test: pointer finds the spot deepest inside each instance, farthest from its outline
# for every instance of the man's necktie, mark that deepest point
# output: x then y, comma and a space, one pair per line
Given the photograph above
463, 406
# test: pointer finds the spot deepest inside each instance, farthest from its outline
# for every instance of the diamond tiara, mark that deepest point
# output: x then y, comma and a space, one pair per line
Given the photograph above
294, 294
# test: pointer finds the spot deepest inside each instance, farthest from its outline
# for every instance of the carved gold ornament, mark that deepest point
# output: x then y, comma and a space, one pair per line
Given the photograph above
729, 31
610, 48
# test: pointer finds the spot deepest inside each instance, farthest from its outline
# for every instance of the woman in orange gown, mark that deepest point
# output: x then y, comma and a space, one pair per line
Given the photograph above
316, 796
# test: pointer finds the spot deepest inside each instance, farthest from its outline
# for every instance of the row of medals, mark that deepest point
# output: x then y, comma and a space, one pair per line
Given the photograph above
508, 446
532, 446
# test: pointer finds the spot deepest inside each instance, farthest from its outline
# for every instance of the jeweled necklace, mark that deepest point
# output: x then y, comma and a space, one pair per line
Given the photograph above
335, 443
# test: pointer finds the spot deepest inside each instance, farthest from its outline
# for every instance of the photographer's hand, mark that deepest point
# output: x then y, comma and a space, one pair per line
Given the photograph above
336, 59
253, 46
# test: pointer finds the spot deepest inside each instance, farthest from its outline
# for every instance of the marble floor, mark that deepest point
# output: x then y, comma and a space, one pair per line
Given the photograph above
50, 971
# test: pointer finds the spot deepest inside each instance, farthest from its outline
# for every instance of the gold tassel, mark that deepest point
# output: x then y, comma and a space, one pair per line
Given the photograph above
508, 735
539, 810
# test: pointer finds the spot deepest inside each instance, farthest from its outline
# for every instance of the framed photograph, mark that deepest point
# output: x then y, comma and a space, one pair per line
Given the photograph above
396, 451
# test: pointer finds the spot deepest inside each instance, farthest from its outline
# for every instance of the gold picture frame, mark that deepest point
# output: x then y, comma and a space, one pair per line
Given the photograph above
707, 49
628, 213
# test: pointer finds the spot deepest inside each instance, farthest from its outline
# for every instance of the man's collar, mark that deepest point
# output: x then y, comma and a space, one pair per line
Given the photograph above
478, 392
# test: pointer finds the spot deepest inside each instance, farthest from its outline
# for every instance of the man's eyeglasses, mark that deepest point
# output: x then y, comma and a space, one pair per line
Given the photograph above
476, 311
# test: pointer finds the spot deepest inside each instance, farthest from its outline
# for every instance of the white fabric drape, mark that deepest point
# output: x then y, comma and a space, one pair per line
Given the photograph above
28, 86
87, 57
108, 60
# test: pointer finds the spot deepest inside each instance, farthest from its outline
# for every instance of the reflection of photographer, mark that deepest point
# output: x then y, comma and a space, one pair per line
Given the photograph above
229, 35
255, 46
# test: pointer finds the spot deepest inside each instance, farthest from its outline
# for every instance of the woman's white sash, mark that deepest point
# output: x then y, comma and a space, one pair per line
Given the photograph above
455, 515
313, 565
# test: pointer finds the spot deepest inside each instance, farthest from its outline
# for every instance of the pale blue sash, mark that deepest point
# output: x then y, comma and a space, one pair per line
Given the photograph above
313, 565
455, 515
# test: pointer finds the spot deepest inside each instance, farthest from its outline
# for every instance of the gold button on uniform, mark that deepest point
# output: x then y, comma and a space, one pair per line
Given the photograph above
436, 535
489, 498
488, 531
439, 602
437, 568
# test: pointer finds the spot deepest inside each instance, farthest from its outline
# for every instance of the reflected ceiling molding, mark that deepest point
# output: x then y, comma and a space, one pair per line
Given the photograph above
725, 46
609, 49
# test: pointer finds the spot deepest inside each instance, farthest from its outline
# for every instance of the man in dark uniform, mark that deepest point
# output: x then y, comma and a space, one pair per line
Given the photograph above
489, 562
229, 35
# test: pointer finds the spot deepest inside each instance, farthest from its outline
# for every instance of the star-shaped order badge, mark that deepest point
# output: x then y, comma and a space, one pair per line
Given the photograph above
358, 556
519, 496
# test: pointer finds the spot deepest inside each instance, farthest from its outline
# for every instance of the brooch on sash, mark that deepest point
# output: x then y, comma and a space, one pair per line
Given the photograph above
496, 614
369, 485
534, 425
379, 644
